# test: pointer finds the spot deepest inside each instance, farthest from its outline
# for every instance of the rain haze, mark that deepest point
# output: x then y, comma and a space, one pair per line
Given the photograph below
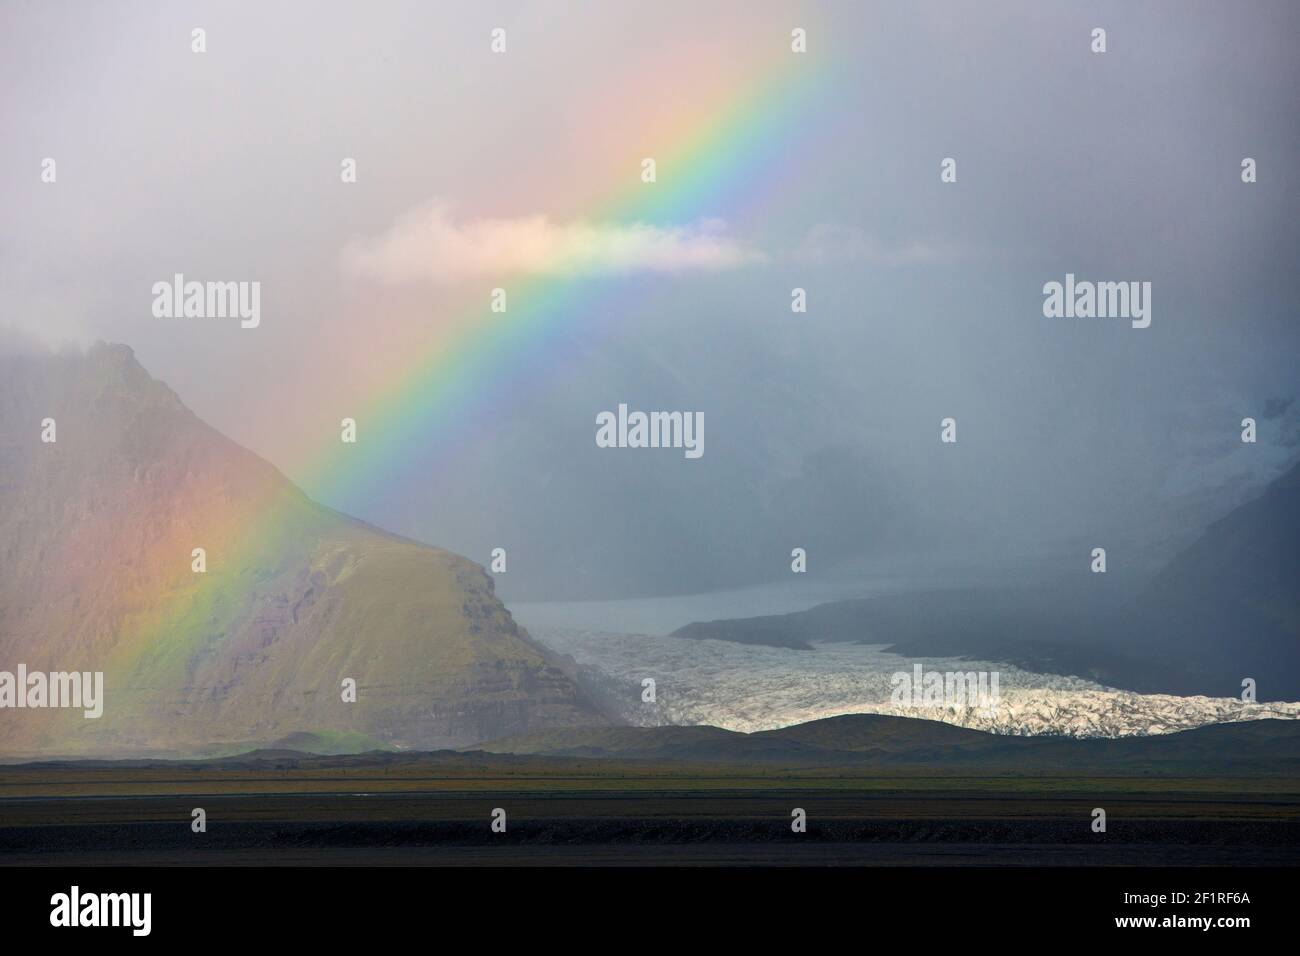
473, 172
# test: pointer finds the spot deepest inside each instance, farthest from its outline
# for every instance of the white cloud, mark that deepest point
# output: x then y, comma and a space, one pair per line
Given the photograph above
427, 244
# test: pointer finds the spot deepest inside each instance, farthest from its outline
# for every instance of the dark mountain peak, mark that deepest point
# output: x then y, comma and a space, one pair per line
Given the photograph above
111, 353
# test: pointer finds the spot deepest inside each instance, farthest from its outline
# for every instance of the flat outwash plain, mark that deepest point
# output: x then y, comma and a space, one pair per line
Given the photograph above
875, 791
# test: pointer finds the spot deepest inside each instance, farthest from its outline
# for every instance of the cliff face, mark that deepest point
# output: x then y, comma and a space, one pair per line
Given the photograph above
97, 534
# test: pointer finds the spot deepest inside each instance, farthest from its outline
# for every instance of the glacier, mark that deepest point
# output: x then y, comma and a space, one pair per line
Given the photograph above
748, 688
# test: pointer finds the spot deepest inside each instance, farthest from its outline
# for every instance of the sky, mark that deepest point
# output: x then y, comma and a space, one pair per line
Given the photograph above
775, 170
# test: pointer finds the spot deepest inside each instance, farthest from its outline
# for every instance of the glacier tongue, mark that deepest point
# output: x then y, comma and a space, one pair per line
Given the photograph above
754, 687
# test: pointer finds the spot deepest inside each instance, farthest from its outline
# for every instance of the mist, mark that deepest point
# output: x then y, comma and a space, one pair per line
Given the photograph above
924, 298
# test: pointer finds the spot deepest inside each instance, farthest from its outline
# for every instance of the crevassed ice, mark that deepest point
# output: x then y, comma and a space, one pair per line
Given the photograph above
752, 687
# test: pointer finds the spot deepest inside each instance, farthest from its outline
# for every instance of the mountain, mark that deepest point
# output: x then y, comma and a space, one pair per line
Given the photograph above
1224, 609
1048, 630
1229, 605
1256, 746
97, 534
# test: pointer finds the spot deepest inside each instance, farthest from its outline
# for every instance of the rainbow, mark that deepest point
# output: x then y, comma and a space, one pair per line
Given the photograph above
727, 160
724, 162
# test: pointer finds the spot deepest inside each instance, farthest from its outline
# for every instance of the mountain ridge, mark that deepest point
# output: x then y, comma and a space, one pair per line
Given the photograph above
96, 534
1225, 608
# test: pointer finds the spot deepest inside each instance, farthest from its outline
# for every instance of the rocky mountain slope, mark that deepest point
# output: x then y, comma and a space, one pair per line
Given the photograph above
97, 533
